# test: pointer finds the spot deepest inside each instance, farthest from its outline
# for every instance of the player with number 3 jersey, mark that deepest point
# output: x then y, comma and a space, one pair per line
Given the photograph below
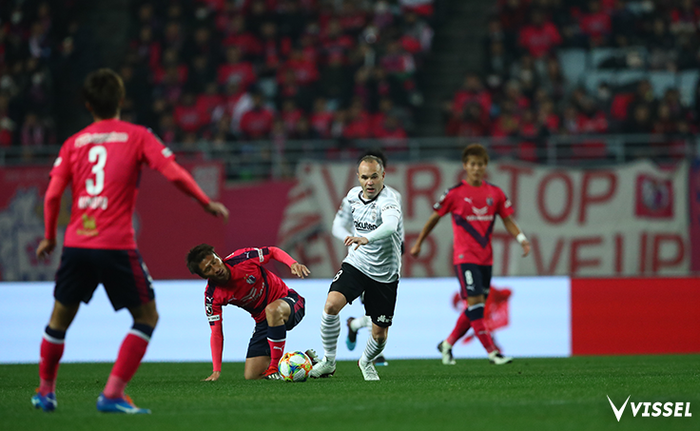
102, 164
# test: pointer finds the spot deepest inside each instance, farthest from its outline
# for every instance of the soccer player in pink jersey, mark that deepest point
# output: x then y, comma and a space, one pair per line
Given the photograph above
241, 280
474, 204
102, 164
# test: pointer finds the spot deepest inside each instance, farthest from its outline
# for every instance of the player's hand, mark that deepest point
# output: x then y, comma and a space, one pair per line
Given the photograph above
415, 250
300, 270
46, 247
217, 209
214, 377
526, 247
359, 240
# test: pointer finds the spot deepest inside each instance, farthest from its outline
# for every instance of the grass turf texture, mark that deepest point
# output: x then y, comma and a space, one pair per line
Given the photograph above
530, 394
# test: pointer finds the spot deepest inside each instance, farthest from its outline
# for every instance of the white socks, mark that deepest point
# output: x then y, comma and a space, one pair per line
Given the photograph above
330, 330
372, 350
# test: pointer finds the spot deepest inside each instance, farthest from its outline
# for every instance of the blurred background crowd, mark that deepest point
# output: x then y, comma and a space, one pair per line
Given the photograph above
225, 71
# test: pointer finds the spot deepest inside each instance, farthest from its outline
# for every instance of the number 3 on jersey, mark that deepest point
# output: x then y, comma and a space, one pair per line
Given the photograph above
98, 156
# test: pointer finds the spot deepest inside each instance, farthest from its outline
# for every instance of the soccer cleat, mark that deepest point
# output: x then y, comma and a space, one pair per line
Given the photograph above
313, 357
272, 373
368, 370
496, 358
119, 405
381, 361
325, 368
446, 350
46, 402
351, 341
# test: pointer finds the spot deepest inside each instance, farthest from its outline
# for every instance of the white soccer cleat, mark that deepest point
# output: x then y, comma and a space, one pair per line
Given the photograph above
368, 370
446, 350
325, 368
496, 358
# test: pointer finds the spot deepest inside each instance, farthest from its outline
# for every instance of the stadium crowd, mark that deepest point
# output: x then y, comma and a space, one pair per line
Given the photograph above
226, 70
554, 67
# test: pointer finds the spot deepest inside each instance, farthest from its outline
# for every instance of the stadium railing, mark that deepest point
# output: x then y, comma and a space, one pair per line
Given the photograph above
277, 159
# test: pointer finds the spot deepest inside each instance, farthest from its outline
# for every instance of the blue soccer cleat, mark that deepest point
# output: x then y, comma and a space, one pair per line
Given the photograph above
351, 341
46, 402
119, 405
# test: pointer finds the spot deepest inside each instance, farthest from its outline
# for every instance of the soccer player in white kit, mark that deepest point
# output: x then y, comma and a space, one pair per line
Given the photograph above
372, 267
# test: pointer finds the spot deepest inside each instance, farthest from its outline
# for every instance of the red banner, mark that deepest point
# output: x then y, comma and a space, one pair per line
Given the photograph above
635, 316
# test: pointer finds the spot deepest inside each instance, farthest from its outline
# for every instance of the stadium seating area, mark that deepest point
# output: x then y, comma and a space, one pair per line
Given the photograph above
225, 70
554, 67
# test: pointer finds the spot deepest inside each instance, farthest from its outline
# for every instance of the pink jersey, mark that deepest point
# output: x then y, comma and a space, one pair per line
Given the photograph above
103, 163
251, 287
474, 212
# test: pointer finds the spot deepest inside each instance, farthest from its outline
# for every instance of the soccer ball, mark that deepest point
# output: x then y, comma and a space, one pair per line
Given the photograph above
295, 366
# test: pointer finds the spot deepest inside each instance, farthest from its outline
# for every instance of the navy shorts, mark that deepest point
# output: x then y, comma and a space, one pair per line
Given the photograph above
379, 298
474, 280
258, 345
122, 273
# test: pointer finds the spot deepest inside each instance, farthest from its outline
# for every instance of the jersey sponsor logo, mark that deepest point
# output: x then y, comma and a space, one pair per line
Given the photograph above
214, 318
480, 211
89, 226
100, 138
364, 225
92, 202
250, 279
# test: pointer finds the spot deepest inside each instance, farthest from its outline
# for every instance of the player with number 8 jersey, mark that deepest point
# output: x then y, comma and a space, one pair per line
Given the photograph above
102, 163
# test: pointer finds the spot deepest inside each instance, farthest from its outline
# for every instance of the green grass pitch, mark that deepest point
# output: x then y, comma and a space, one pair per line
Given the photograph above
530, 394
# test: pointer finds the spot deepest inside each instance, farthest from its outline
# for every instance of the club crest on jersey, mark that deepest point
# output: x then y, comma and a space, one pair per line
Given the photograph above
250, 279
489, 201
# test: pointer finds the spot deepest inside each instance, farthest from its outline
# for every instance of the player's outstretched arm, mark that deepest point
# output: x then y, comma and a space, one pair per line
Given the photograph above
184, 181
429, 226
514, 230
297, 268
52, 207
217, 348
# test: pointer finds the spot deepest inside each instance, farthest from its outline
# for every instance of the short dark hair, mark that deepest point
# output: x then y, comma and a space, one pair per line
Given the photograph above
376, 153
196, 255
103, 90
371, 158
476, 150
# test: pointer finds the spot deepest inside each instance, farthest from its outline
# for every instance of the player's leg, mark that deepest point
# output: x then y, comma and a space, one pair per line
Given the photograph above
355, 324
478, 277
277, 314
255, 367
344, 289
380, 302
461, 326
76, 280
128, 285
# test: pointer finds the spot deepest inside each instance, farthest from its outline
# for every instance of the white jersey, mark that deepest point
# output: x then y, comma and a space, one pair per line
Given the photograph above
380, 260
343, 224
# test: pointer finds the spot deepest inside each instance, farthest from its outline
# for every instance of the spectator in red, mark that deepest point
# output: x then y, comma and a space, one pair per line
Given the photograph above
237, 35
171, 60
235, 69
539, 37
508, 123
274, 49
334, 43
596, 24
358, 125
472, 91
392, 135
188, 117
35, 132
685, 18
321, 119
398, 62
548, 118
290, 115
146, 48
304, 70
211, 100
257, 123
352, 19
